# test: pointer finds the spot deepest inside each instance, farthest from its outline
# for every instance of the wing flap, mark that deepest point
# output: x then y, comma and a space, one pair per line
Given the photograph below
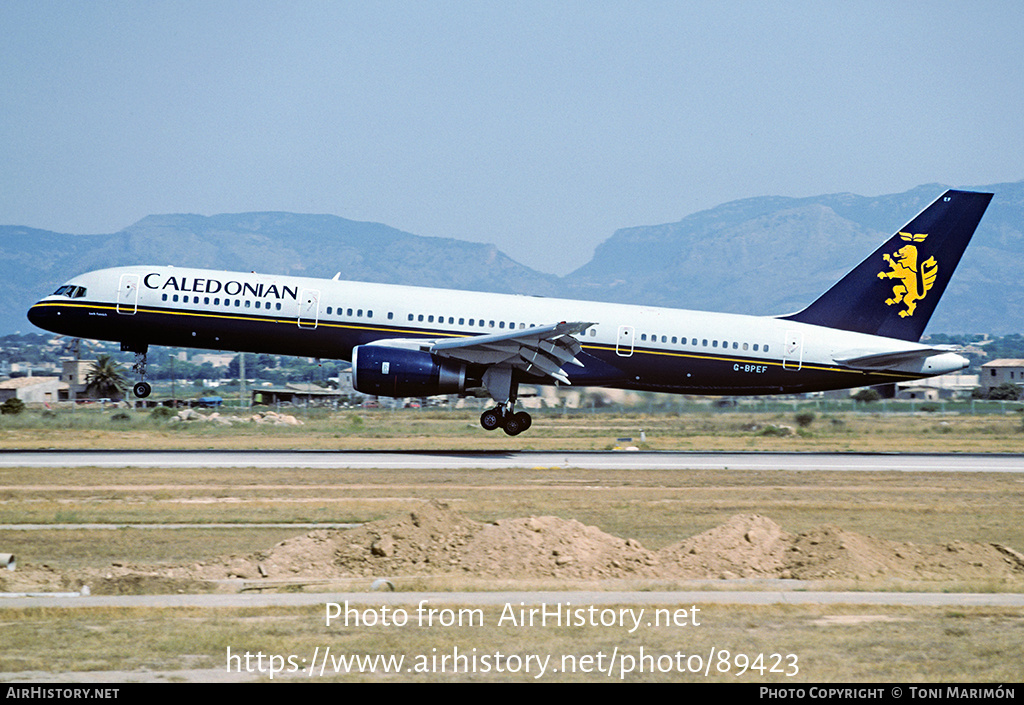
541, 350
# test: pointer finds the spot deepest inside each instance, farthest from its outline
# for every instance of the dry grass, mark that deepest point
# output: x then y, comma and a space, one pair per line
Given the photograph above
655, 507
832, 644
371, 429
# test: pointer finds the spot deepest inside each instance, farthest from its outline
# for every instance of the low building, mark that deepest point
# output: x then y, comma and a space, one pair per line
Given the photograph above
935, 388
32, 390
297, 395
73, 374
917, 393
1002, 371
215, 359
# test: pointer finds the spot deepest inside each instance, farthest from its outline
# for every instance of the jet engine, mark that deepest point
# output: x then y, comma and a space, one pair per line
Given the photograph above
399, 372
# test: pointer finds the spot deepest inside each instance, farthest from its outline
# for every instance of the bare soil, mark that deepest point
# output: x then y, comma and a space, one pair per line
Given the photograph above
436, 540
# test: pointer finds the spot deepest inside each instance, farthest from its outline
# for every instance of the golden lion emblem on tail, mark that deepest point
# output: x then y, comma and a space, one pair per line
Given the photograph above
914, 282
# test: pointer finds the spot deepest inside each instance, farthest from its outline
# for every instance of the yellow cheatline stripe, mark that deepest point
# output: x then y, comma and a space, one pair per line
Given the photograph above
221, 316
747, 361
404, 331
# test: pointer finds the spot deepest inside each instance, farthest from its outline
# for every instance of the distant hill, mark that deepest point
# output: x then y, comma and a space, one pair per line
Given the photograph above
765, 255
36, 262
775, 255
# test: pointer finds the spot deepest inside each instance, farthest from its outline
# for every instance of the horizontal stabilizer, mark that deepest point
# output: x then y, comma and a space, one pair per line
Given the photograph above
939, 359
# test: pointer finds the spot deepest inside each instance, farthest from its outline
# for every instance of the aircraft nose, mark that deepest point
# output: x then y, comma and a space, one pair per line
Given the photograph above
40, 316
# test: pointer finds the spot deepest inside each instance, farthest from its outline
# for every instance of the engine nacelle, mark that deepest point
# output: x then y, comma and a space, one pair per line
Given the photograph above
397, 372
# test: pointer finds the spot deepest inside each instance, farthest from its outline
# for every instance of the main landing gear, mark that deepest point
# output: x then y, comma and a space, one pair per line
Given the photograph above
502, 416
142, 388
503, 388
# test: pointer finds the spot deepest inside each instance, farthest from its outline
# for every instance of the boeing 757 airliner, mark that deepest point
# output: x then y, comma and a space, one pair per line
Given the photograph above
411, 341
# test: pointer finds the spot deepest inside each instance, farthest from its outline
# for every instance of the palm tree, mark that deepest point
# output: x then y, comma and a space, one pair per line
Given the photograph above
105, 379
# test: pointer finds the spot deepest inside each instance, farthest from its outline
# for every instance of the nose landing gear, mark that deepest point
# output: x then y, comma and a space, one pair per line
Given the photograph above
142, 388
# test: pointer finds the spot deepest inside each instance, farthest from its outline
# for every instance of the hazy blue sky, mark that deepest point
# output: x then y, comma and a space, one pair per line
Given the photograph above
539, 126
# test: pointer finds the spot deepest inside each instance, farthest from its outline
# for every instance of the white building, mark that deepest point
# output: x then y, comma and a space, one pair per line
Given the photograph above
32, 390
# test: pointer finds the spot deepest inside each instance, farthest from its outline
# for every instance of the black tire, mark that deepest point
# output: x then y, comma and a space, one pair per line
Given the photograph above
513, 425
525, 420
490, 419
142, 390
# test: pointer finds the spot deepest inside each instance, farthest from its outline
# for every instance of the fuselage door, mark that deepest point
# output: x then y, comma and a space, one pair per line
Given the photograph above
128, 294
309, 308
793, 350
624, 341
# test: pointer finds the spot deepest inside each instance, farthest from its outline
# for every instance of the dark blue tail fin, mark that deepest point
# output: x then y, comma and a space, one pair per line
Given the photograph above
894, 291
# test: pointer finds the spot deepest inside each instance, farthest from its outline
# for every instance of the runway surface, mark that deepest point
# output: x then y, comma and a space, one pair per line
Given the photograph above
608, 460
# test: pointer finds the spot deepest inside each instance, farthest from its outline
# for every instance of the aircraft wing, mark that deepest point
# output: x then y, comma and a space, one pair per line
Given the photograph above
542, 350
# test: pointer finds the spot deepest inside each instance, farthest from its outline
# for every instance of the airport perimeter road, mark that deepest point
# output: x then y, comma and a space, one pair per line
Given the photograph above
601, 460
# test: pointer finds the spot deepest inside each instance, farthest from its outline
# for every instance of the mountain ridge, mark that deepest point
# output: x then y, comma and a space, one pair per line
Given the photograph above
765, 255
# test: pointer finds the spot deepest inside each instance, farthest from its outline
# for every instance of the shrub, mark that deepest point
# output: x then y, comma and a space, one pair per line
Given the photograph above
1007, 391
162, 413
12, 406
867, 395
804, 419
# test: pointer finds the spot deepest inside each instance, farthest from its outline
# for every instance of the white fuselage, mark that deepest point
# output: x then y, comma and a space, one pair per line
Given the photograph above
627, 346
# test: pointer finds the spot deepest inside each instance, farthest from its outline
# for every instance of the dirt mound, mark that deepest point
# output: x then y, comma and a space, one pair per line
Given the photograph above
437, 539
434, 539
746, 546
428, 540
553, 547
831, 552
36, 579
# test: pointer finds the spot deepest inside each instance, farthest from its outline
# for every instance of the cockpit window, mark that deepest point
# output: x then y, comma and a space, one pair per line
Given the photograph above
71, 291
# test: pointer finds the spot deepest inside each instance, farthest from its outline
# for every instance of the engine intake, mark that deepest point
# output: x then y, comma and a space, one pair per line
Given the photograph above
397, 372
